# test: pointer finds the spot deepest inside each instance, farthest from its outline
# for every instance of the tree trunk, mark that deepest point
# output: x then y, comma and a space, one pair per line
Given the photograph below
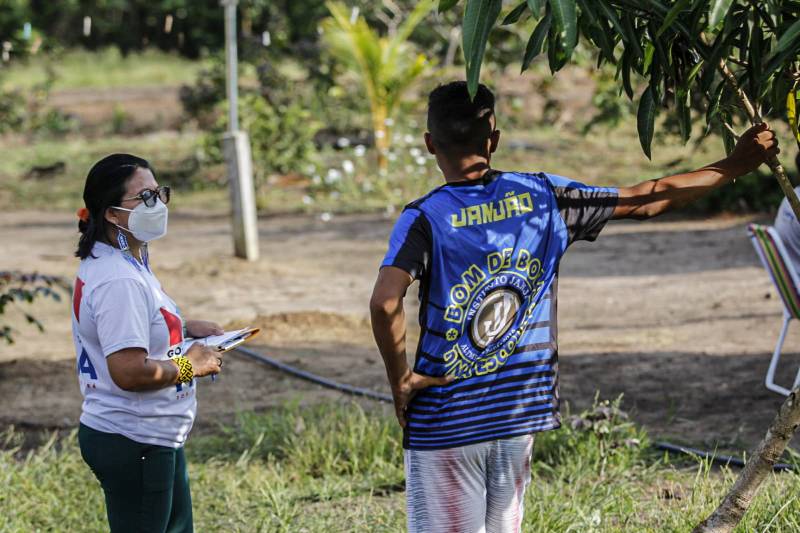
736, 502
725, 518
381, 131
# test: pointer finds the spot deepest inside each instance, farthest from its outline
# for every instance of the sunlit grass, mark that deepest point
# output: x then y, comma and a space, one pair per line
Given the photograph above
338, 468
104, 69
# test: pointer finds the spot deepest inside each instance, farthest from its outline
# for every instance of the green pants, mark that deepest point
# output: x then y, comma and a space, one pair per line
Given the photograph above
146, 486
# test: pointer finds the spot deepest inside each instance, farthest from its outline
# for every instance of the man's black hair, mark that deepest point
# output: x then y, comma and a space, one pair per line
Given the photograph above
458, 124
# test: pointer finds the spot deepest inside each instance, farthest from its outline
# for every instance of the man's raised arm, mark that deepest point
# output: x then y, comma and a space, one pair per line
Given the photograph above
654, 197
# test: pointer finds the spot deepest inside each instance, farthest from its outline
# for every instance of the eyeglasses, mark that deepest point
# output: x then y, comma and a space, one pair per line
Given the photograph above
148, 196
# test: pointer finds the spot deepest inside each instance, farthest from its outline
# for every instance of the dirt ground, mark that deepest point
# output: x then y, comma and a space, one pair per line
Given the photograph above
676, 315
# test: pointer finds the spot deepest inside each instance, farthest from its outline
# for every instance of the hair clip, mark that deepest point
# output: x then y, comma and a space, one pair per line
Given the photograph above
83, 214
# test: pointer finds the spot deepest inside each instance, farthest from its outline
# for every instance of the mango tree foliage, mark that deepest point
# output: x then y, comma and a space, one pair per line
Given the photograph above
386, 66
677, 46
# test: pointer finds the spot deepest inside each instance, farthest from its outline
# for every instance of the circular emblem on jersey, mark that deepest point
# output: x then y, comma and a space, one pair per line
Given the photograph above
494, 316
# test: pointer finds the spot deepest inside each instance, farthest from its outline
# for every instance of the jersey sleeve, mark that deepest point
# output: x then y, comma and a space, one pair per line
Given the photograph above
122, 315
585, 209
410, 244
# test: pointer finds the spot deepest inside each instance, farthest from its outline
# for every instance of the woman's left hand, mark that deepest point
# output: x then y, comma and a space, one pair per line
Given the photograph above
202, 328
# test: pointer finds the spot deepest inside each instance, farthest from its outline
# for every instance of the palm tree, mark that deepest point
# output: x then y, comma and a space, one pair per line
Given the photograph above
385, 65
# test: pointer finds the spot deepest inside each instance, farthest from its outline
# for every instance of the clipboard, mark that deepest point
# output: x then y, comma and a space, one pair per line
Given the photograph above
227, 341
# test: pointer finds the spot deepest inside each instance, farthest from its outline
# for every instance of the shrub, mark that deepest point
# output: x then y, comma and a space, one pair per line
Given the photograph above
281, 137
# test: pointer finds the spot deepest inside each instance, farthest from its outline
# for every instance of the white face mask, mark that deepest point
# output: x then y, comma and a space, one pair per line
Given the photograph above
147, 223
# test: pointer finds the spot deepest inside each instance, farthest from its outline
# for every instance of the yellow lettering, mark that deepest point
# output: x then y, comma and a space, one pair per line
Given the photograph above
458, 222
501, 214
473, 215
525, 202
512, 205
459, 294
487, 212
472, 277
507, 257
453, 313
535, 269
494, 262
522, 260
452, 354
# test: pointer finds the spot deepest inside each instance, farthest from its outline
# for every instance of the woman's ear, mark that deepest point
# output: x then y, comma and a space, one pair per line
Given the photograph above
111, 216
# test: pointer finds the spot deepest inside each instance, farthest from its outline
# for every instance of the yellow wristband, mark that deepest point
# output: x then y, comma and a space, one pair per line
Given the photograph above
185, 371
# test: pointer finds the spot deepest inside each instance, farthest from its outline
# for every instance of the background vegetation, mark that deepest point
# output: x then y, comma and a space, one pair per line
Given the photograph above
305, 103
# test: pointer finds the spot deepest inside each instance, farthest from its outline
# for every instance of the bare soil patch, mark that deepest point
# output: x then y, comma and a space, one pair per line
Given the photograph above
676, 315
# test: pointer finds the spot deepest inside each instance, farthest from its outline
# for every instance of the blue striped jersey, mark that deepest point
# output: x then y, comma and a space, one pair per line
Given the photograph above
486, 253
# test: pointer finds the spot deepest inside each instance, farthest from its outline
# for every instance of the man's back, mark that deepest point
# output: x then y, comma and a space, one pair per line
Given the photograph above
486, 253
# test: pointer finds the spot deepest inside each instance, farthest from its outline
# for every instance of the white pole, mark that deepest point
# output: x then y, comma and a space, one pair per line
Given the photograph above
236, 147
231, 61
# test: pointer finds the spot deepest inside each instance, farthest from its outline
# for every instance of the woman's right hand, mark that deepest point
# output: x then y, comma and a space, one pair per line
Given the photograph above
205, 360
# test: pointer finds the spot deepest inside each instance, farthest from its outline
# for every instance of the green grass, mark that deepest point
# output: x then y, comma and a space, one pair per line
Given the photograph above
64, 190
338, 468
104, 69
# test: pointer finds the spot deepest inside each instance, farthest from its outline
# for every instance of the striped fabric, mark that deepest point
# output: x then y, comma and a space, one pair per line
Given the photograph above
470, 489
486, 253
770, 249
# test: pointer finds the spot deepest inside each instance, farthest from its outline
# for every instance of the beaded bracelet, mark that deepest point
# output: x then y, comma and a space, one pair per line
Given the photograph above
185, 371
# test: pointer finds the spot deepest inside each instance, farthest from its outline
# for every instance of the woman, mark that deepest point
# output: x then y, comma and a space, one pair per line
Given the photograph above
139, 393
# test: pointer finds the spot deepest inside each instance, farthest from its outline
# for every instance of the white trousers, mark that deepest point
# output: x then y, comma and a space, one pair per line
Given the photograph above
478, 488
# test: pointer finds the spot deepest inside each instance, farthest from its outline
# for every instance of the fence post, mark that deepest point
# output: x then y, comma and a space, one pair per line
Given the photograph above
236, 147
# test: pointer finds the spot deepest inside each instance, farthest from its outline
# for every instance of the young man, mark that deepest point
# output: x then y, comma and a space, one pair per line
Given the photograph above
486, 247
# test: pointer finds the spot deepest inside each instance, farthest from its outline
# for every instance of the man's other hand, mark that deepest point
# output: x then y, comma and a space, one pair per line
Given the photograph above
410, 384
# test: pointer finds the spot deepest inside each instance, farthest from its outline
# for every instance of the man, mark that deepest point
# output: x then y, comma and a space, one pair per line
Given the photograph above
788, 228
486, 247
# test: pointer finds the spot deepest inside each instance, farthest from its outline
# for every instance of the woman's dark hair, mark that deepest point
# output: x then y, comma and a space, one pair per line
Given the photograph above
105, 187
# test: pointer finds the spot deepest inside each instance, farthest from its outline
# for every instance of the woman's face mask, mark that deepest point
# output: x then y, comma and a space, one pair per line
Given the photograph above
147, 223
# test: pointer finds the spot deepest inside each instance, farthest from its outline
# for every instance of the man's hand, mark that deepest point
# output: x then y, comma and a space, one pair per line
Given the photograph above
408, 386
202, 328
754, 147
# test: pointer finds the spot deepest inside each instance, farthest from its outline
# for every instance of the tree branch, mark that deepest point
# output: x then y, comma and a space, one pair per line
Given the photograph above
730, 512
725, 518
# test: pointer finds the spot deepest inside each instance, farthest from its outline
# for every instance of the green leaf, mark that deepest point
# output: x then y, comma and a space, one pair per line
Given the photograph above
719, 9
790, 39
649, 50
625, 67
631, 37
536, 7
684, 114
534, 47
515, 14
676, 10
727, 137
714, 101
479, 17
611, 15
599, 33
646, 119
564, 30
447, 5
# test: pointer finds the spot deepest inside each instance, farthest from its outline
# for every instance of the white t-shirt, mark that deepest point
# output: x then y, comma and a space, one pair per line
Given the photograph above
788, 228
117, 304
